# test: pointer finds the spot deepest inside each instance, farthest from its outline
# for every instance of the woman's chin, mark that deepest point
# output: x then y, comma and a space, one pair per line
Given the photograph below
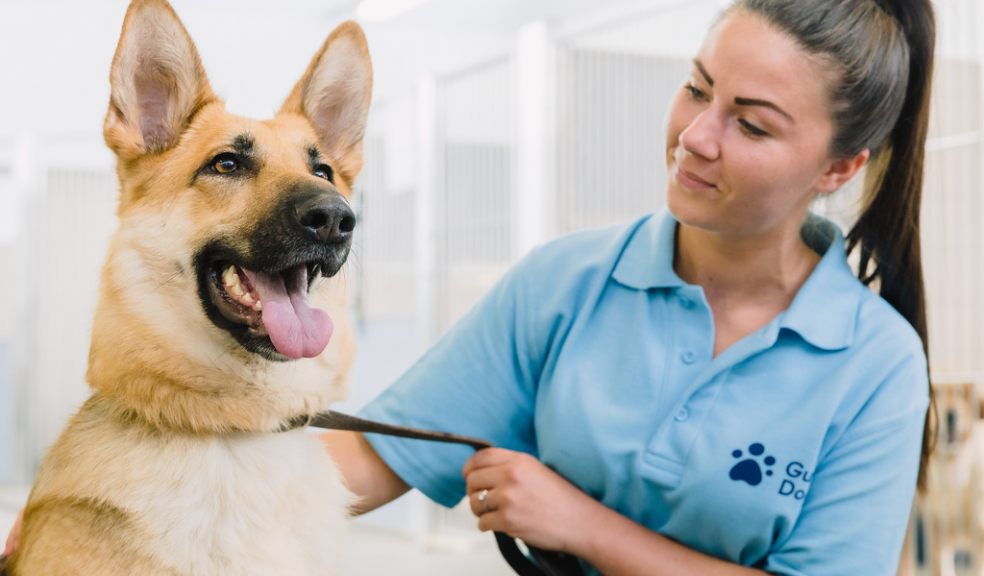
685, 208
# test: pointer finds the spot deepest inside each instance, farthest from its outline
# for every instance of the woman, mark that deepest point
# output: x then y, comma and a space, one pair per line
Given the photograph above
711, 390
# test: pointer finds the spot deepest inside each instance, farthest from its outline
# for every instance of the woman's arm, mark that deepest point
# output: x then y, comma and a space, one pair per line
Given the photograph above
528, 500
363, 471
616, 545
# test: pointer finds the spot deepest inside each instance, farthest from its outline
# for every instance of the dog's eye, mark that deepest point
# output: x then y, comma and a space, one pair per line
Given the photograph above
225, 164
324, 171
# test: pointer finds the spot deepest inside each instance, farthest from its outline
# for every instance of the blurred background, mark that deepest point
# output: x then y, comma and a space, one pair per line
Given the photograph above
496, 125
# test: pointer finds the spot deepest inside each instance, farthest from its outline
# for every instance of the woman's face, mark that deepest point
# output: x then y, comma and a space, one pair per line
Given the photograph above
748, 134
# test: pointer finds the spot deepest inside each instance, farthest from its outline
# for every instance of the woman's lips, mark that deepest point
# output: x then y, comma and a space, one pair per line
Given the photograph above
692, 181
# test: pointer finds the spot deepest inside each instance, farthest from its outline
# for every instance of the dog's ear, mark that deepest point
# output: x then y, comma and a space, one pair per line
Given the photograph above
334, 94
157, 82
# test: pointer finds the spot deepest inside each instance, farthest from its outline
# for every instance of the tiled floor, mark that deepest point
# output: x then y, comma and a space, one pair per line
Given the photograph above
370, 551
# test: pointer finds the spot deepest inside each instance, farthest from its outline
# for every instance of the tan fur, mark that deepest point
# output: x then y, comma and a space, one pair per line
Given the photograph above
174, 465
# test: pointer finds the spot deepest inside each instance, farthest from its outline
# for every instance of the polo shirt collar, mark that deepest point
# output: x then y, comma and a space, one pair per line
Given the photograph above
647, 260
824, 311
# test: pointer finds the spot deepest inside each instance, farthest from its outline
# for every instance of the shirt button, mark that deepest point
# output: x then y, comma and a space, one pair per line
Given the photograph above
682, 414
688, 357
686, 302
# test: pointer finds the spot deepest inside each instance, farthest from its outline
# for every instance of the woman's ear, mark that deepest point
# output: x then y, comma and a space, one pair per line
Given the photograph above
840, 172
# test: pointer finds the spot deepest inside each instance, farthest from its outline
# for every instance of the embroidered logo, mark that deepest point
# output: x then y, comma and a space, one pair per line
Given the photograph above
750, 470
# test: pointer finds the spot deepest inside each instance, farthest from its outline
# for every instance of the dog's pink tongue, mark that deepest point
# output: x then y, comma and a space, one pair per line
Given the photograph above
296, 329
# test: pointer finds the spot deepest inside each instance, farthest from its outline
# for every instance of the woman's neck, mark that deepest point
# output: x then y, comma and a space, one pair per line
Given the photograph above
744, 269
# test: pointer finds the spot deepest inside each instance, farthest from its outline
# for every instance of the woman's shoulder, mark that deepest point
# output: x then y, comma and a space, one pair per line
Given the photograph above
889, 364
884, 330
587, 249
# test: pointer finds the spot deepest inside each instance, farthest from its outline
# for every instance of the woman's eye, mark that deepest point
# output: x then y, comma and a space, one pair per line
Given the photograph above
225, 164
695, 92
324, 171
752, 129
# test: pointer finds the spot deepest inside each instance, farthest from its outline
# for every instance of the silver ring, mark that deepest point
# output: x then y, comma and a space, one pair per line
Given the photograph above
483, 495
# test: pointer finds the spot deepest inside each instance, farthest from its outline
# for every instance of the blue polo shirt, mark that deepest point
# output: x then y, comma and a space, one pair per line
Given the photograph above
795, 450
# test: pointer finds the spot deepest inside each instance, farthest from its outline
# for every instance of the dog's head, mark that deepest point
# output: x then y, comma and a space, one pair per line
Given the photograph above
226, 223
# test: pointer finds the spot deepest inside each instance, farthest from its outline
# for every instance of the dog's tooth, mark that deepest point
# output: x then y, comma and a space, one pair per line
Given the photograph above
236, 290
247, 299
258, 306
230, 278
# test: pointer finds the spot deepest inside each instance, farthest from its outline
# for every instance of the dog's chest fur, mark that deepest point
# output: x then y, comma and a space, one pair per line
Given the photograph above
236, 504
250, 505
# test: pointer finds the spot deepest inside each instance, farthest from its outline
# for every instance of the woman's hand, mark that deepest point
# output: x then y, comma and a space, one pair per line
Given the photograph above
514, 493
528, 500
13, 538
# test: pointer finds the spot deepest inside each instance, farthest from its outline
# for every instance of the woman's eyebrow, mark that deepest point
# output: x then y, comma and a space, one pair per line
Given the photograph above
764, 103
739, 100
703, 72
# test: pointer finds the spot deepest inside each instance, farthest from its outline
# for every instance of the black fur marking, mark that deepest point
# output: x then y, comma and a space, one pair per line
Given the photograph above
243, 144
276, 244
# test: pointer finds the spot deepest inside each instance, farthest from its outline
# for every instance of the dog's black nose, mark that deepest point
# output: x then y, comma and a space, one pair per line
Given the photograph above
328, 219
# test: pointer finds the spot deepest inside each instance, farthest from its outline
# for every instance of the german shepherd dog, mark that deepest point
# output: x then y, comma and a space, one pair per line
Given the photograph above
211, 329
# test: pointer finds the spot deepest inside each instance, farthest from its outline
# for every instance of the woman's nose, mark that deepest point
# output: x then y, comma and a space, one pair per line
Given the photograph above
702, 136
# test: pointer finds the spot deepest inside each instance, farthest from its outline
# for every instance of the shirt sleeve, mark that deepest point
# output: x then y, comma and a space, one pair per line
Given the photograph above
479, 380
856, 514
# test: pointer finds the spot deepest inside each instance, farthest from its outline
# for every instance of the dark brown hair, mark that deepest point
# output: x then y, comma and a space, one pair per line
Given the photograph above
880, 53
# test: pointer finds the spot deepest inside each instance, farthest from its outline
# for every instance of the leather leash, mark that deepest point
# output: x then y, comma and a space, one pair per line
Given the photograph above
544, 563
331, 420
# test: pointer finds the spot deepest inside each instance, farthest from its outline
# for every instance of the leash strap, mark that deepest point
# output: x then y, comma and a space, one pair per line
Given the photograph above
331, 420
547, 563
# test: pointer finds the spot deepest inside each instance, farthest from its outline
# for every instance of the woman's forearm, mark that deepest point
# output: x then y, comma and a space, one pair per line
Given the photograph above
364, 473
617, 546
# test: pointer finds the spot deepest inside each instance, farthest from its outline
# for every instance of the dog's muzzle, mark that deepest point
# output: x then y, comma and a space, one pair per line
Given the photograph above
256, 287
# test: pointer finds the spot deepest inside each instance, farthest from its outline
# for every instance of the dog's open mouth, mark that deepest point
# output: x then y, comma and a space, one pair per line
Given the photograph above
274, 306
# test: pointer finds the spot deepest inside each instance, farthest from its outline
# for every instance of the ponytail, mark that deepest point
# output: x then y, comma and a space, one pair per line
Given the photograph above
888, 231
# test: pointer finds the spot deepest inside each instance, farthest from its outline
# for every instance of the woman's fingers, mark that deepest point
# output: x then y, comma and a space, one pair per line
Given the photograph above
483, 478
481, 502
491, 522
486, 458
480, 486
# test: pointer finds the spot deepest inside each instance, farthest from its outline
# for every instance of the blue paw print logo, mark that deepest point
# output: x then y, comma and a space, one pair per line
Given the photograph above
749, 470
